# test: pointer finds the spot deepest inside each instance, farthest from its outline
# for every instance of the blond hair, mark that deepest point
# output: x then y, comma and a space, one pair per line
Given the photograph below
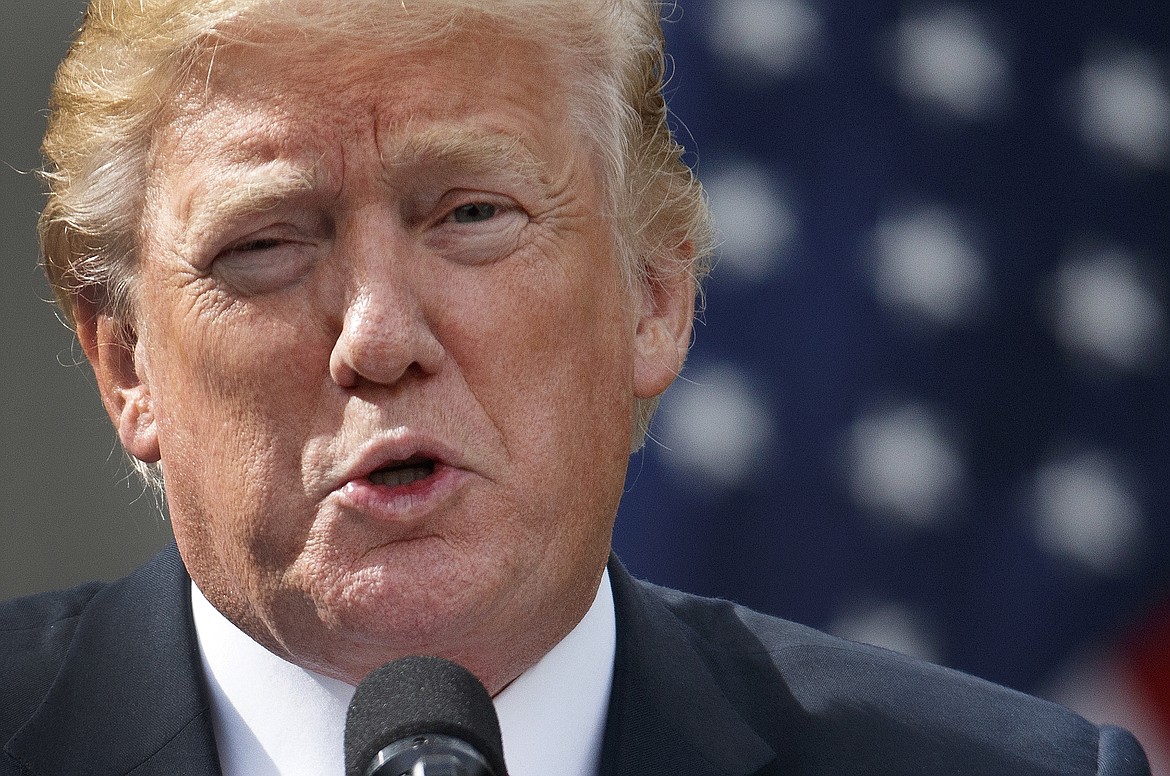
131, 57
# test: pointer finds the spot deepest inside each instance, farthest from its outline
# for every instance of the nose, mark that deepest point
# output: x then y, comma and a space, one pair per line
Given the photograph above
385, 334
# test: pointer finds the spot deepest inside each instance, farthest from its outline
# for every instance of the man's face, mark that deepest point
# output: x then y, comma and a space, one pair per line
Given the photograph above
385, 354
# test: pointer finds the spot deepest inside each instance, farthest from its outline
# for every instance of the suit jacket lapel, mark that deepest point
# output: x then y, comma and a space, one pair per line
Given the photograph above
129, 698
667, 714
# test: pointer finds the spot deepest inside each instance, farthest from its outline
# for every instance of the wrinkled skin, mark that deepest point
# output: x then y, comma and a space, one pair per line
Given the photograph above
353, 261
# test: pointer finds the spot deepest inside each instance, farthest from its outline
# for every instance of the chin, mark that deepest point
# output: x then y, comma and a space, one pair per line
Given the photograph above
402, 608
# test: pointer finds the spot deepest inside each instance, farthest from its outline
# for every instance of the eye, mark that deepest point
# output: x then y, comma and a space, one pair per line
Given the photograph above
475, 227
473, 212
259, 244
274, 259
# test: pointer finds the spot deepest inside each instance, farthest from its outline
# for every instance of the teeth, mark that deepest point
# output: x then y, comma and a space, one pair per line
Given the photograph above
402, 476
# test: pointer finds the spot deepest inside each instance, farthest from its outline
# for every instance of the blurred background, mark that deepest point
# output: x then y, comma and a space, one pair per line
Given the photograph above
927, 402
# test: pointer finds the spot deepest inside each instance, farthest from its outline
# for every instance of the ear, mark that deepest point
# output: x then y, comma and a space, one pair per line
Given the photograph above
113, 350
664, 328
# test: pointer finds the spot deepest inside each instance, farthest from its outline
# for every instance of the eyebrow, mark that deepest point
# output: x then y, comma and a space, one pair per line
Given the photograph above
250, 190
471, 150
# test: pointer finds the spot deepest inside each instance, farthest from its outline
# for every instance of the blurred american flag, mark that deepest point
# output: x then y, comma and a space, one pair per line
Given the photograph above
929, 405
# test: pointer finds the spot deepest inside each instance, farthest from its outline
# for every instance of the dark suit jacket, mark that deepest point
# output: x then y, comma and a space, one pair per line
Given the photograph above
105, 679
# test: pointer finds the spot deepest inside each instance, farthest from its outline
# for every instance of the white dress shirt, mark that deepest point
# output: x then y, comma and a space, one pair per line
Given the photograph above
273, 718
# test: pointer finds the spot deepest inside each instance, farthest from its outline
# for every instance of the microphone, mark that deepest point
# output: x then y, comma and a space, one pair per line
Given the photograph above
422, 716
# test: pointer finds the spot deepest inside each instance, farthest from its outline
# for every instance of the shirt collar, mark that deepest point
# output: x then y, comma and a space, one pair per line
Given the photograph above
273, 718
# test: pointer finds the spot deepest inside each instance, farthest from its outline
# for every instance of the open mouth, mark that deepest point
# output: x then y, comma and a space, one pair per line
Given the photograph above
403, 472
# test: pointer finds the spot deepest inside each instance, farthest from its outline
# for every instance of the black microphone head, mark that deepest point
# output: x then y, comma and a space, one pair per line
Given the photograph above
418, 695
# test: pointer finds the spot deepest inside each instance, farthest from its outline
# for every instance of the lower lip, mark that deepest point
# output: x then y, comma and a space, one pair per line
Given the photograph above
399, 502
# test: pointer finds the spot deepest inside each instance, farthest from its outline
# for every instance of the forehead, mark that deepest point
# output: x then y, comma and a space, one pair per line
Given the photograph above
248, 101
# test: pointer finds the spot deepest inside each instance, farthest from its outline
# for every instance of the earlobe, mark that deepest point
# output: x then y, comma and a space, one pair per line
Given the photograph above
664, 328
116, 355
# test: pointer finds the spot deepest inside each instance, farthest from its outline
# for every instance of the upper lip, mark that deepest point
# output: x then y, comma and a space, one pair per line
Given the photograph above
394, 447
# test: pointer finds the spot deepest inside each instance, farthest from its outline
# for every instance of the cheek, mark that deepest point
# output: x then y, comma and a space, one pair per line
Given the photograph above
537, 328
550, 361
241, 356
233, 393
